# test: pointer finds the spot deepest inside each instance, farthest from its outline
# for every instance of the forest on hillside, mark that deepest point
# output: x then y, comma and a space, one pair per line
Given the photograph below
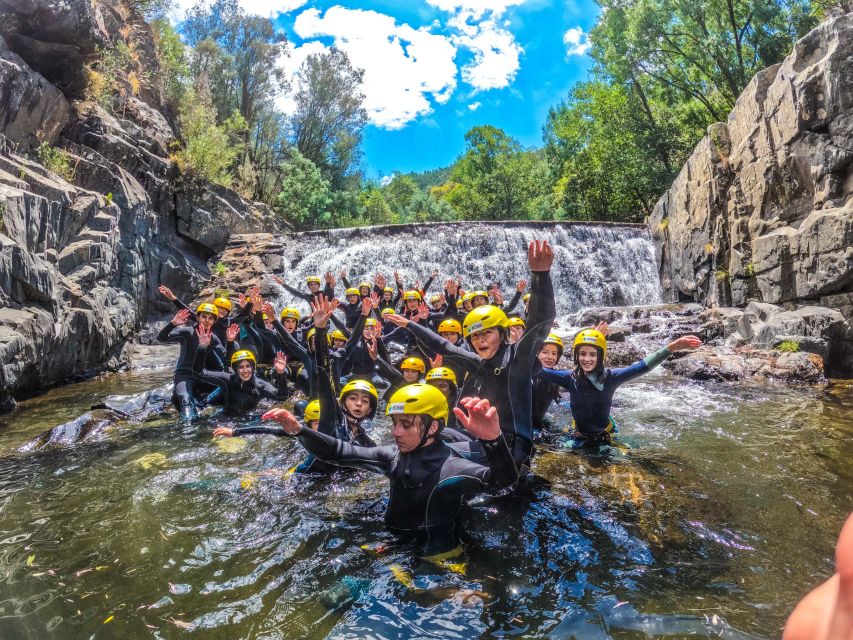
664, 70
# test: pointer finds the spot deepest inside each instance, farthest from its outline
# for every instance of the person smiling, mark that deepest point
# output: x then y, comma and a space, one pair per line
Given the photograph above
429, 480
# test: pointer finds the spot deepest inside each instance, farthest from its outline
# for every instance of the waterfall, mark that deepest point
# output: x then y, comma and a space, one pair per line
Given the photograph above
595, 264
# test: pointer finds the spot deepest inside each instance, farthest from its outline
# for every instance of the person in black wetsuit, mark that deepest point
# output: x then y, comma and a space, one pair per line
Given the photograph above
242, 390
183, 395
544, 393
429, 480
341, 417
496, 370
314, 290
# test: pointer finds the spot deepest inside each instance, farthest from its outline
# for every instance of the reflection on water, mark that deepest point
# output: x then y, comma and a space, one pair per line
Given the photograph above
720, 516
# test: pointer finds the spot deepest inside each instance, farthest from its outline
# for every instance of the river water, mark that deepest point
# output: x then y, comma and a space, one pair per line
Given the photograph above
719, 518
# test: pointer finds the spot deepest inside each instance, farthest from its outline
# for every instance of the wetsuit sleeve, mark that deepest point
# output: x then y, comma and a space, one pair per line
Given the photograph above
344, 454
273, 430
513, 303
353, 339
625, 374
218, 379
330, 412
292, 343
561, 377
242, 313
340, 325
543, 310
345, 282
328, 291
297, 293
217, 350
439, 345
502, 470
276, 390
166, 334
181, 305
427, 285
391, 374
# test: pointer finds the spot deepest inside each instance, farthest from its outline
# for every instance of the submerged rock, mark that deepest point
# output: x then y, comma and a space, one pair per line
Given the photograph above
729, 365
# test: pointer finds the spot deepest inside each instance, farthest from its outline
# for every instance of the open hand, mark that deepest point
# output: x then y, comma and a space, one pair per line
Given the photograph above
203, 336
321, 311
685, 342
423, 311
372, 348
366, 306
167, 292
436, 362
223, 432
286, 419
280, 362
181, 317
232, 332
397, 319
602, 328
522, 285
539, 255
482, 418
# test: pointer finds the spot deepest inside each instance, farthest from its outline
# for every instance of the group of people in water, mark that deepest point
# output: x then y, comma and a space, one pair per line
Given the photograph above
471, 387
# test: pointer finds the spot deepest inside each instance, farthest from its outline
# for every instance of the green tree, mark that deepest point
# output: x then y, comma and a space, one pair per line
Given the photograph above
495, 179
376, 208
422, 207
305, 199
599, 150
327, 126
400, 192
174, 73
209, 150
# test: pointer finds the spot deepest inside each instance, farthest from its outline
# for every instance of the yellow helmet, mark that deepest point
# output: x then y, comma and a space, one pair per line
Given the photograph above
314, 279
556, 340
525, 297
387, 311
352, 291
371, 322
361, 285
436, 297
590, 337
450, 326
416, 399
312, 411
412, 295
467, 296
206, 307
515, 321
483, 318
243, 354
388, 290
310, 334
290, 312
459, 303
441, 373
416, 364
361, 385
337, 334
480, 293
223, 303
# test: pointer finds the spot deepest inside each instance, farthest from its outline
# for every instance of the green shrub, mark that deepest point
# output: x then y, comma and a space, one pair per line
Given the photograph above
220, 269
721, 274
750, 269
56, 160
788, 346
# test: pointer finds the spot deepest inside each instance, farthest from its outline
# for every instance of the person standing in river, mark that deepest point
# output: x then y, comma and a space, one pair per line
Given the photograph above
176, 331
497, 370
591, 386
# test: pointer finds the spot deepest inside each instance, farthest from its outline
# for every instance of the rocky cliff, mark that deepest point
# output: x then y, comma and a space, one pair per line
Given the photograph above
763, 209
82, 253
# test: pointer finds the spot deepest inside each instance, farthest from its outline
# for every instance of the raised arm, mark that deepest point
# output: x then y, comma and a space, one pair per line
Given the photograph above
333, 450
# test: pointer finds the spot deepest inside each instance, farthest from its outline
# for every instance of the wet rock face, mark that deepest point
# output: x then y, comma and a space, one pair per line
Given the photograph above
763, 209
81, 256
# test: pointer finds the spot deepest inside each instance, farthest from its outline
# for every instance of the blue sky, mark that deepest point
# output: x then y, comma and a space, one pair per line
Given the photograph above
436, 68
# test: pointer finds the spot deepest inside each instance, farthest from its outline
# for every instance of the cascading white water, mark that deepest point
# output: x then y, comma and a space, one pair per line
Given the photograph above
594, 265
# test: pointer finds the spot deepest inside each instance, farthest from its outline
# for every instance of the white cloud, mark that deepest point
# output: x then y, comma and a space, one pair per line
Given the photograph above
404, 68
496, 53
384, 181
474, 106
475, 8
576, 41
